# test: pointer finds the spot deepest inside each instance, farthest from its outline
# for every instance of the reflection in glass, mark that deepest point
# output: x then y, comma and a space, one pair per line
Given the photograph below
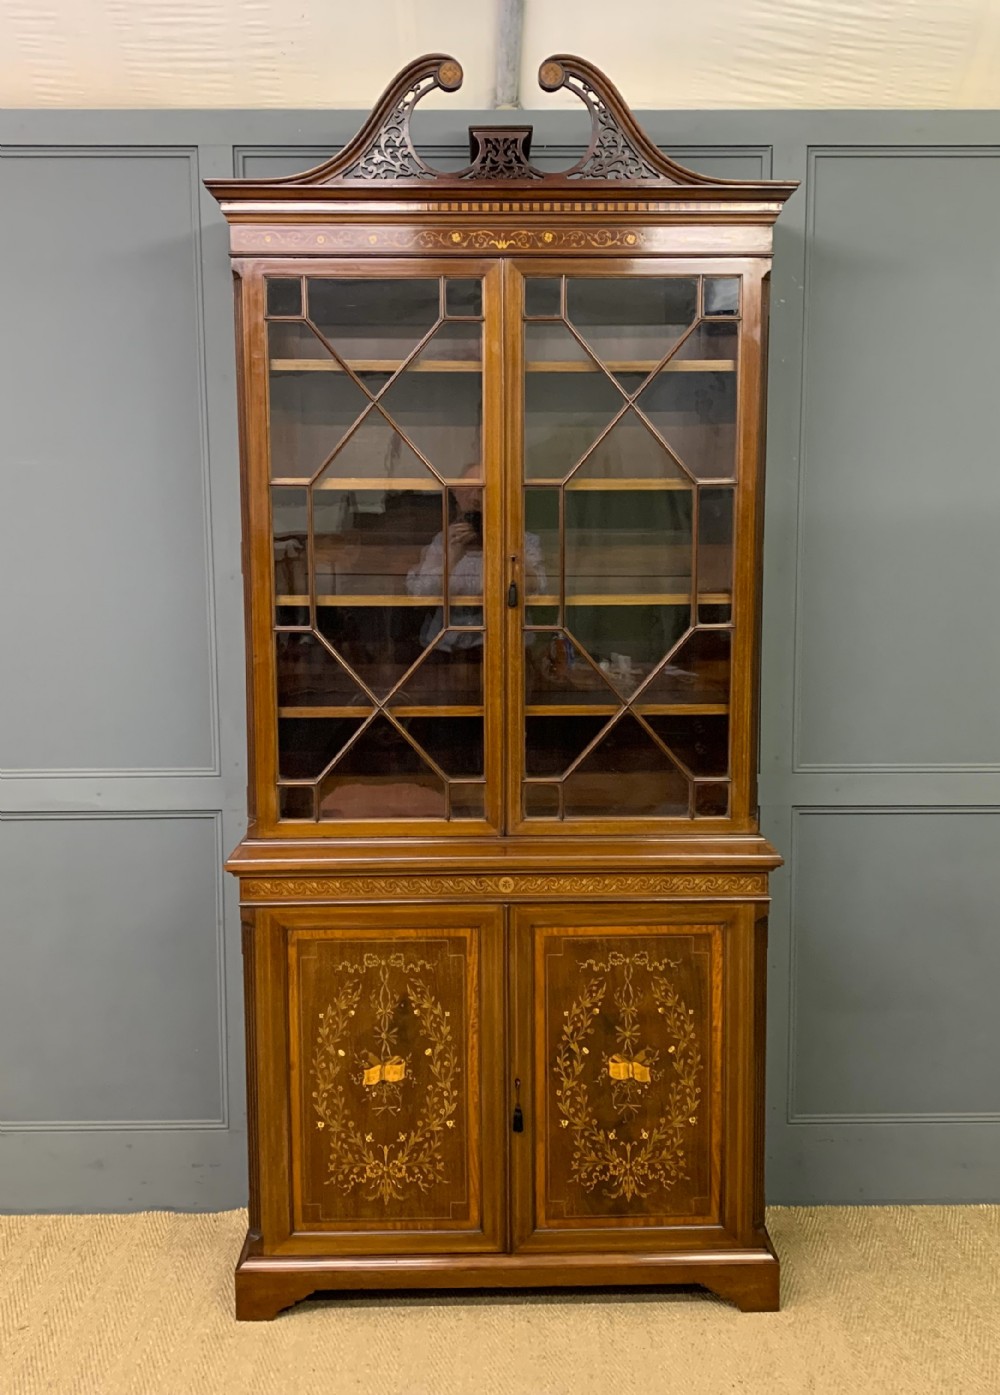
627, 641
290, 530
542, 295
552, 744
627, 774
695, 414
558, 673
376, 319
628, 544
379, 642
307, 745
715, 544
630, 453
382, 776
455, 744
698, 672
722, 295
631, 322
309, 415
437, 400
468, 801
463, 297
297, 802
711, 801
541, 801
366, 540
310, 676
564, 413
448, 675
375, 452
284, 296
700, 743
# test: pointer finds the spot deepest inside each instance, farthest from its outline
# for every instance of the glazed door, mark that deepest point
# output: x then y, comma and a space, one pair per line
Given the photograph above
379, 1039
374, 432
623, 1050
634, 435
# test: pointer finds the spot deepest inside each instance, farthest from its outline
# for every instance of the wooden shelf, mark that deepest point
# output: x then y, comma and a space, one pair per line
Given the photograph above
633, 598
608, 709
366, 710
428, 602
464, 365
434, 486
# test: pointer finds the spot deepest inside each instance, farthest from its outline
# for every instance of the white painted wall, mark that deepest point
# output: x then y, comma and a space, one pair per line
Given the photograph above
661, 53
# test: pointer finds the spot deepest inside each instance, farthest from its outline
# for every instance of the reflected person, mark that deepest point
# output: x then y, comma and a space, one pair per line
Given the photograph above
464, 542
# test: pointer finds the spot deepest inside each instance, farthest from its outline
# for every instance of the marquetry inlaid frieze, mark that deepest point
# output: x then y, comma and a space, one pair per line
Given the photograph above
501, 886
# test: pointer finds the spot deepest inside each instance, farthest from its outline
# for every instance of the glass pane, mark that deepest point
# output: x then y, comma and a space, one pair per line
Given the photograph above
463, 297
312, 405
307, 745
557, 672
722, 295
542, 295
627, 641
380, 321
450, 675
290, 531
310, 676
711, 801
284, 296
564, 414
541, 542
697, 673
368, 542
297, 802
378, 642
454, 744
713, 342
630, 455
695, 415
626, 775
552, 744
715, 547
437, 401
375, 452
382, 776
541, 801
468, 801
700, 744
550, 347
628, 545
631, 322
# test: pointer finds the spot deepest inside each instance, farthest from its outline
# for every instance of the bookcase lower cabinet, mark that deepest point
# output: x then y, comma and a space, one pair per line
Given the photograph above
460, 1096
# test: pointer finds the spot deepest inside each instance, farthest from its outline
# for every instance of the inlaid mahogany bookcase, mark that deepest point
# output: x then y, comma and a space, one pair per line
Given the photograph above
504, 895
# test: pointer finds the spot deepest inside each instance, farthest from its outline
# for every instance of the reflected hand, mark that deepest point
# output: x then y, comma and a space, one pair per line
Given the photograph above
461, 537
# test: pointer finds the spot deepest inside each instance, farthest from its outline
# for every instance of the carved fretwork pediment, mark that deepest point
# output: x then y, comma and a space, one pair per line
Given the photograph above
618, 151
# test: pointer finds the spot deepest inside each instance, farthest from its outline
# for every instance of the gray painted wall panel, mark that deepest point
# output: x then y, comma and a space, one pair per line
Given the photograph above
881, 407
895, 967
103, 516
898, 582
110, 1000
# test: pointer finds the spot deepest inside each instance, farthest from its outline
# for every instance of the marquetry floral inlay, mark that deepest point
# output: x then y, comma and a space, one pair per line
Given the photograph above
570, 884
627, 1166
386, 1169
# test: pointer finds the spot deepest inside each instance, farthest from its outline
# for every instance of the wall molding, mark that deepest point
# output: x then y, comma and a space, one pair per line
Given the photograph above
143, 1125
814, 154
191, 154
879, 1117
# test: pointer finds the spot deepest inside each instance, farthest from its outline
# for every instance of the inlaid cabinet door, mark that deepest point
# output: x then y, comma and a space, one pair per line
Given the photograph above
394, 1035
619, 1047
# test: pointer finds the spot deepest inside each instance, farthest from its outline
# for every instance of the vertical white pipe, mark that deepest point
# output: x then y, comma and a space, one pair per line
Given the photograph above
510, 31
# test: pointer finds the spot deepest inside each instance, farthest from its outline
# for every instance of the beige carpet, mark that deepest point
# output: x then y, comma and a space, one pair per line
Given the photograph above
887, 1300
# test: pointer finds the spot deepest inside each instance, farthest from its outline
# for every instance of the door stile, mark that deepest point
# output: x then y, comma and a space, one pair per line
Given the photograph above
513, 394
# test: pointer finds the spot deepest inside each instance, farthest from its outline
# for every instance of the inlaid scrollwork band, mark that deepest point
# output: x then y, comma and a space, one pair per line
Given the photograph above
570, 885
